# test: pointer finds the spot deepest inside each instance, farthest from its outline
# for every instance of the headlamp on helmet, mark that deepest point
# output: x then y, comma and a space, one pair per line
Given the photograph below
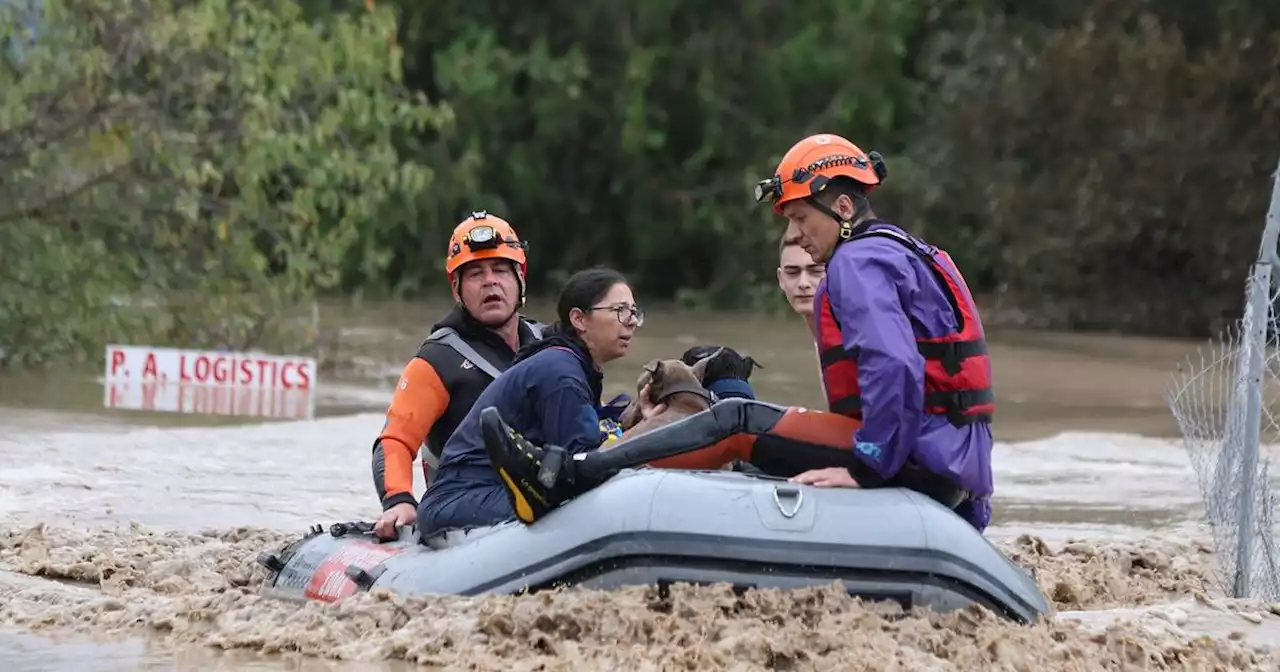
812, 163
770, 190
482, 238
486, 237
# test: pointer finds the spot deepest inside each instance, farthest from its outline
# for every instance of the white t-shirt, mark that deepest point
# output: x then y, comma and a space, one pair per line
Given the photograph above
818, 355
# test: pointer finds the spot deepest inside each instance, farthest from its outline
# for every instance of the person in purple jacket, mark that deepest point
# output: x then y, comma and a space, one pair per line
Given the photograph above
901, 344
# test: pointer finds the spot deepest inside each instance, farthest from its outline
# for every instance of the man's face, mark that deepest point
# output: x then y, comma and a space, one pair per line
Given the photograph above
819, 233
798, 277
489, 290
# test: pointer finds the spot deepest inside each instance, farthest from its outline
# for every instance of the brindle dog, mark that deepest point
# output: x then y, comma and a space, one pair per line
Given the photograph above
671, 382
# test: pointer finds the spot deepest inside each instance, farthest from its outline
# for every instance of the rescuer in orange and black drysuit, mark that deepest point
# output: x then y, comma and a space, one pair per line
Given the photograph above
486, 265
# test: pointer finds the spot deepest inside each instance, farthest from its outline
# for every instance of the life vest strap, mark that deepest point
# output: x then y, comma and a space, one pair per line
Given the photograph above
963, 399
956, 402
926, 254
952, 354
847, 405
832, 355
959, 402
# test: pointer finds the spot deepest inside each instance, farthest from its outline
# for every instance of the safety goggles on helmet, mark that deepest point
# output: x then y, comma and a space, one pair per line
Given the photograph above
772, 189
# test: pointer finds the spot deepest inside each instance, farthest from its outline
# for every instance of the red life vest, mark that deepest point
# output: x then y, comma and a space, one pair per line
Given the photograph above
957, 369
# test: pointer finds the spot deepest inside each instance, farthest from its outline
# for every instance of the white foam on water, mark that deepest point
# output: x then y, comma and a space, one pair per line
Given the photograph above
273, 474
1097, 469
292, 474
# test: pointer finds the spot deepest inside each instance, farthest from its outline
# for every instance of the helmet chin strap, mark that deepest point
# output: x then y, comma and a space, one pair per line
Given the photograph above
519, 279
520, 304
848, 227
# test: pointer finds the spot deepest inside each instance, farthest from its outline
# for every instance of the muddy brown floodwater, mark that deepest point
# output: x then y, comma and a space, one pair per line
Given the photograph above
129, 538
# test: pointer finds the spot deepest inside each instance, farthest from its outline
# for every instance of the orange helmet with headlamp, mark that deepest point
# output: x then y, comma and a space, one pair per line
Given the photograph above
810, 165
484, 236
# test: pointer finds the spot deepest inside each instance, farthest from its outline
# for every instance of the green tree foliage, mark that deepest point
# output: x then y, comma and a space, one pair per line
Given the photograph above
630, 133
1096, 164
1091, 163
187, 172
1105, 166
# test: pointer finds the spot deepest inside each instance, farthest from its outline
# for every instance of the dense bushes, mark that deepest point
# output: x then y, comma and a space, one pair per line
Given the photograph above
1111, 172
187, 173
1095, 163
1099, 164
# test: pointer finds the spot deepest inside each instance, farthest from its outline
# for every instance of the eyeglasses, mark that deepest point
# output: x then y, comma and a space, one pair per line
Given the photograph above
625, 313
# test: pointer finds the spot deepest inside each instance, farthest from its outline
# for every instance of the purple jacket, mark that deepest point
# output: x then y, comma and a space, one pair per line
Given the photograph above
884, 296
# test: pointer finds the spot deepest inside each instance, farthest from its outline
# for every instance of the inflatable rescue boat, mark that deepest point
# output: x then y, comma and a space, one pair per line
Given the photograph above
656, 527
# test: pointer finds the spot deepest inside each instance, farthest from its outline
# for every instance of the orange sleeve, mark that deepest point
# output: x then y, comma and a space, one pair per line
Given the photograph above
815, 428
420, 399
736, 447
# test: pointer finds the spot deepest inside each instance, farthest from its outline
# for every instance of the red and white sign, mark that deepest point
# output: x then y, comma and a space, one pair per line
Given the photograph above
209, 382
330, 581
137, 364
295, 404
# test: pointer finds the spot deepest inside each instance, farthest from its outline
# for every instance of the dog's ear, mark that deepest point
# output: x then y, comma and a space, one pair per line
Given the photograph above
655, 370
700, 369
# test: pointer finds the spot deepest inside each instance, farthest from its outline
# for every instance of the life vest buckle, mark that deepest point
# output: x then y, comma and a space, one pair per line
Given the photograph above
957, 404
952, 359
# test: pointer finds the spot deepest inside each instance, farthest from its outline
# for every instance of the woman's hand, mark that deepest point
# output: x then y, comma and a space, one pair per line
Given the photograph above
831, 477
648, 409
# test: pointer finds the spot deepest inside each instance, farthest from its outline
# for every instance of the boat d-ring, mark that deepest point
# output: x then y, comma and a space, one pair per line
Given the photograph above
788, 492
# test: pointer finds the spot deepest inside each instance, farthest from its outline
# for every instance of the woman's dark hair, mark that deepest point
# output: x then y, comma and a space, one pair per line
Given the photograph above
582, 291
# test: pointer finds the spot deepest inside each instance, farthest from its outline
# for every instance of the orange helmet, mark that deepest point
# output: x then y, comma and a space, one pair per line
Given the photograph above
484, 236
810, 165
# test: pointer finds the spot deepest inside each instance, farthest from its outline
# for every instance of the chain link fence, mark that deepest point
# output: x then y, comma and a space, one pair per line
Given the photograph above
1227, 405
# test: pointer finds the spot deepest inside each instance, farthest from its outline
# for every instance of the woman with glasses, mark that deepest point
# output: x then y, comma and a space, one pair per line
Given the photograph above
551, 395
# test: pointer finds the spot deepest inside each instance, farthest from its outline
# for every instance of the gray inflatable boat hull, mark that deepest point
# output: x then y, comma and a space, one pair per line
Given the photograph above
656, 527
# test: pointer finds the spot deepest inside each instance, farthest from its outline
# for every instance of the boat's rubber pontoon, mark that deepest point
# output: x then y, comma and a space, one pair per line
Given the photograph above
655, 527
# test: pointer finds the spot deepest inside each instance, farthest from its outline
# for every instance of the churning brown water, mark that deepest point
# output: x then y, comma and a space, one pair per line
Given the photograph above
128, 538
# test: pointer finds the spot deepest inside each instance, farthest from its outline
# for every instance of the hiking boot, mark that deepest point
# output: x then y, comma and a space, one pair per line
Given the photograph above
534, 476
